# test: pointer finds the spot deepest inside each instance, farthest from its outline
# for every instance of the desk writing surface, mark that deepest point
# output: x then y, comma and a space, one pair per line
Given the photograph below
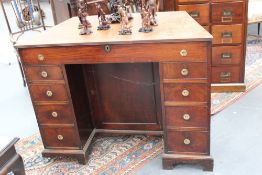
172, 27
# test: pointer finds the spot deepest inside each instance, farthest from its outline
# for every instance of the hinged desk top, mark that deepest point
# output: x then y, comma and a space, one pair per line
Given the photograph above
173, 27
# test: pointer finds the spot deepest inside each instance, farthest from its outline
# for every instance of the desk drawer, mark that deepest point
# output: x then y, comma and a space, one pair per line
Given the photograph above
181, 70
54, 114
196, 92
187, 52
188, 141
227, 34
225, 74
226, 55
35, 73
200, 12
191, 1
230, 12
60, 137
187, 116
50, 92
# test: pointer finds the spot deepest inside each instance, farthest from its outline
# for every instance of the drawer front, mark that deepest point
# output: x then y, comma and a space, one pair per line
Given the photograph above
50, 92
184, 70
225, 74
188, 141
54, 114
231, 12
35, 73
192, 116
195, 52
227, 34
200, 12
196, 92
226, 55
60, 137
190, 1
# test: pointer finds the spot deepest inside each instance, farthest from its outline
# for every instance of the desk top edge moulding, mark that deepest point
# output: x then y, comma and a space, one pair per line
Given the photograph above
155, 83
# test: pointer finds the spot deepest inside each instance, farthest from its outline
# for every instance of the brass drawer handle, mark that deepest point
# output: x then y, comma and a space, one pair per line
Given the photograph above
40, 57
226, 55
186, 117
49, 93
194, 14
184, 72
226, 34
54, 114
183, 52
185, 93
60, 137
227, 13
44, 74
225, 74
187, 141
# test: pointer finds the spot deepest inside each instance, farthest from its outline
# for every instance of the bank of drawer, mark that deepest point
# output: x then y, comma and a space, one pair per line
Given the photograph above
195, 52
191, 1
50, 92
36, 73
225, 74
54, 114
226, 55
196, 92
230, 12
187, 141
227, 34
60, 137
179, 70
200, 12
187, 116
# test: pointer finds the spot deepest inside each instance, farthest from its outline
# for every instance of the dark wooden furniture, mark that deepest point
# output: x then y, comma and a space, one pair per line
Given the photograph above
226, 20
150, 83
10, 161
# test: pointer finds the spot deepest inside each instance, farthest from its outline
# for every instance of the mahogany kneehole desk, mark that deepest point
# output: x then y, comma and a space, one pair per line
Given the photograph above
150, 83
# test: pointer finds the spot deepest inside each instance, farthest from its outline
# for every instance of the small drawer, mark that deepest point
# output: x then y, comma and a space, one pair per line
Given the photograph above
188, 141
227, 34
50, 92
200, 12
226, 55
36, 73
180, 70
230, 12
60, 137
193, 116
54, 114
196, 92
191, 1
225, 74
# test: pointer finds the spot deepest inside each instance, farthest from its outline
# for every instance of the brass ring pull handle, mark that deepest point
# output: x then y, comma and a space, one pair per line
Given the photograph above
49, 93
186, 117
187, 141
40, 57
44, 74
54, 114
184, 72
60, 137
183, 52
185, 93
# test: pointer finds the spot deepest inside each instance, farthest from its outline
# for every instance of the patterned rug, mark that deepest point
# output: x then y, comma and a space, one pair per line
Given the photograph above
126, 154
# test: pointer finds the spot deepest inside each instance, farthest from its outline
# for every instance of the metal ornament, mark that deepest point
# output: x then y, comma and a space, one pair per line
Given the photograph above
103, 23
82, 15
124, 23
145, 15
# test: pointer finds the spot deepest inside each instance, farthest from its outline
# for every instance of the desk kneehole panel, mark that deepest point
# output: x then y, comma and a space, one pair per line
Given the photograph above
54, 114
58, 137
188, 142
187, 116
178, 70
48, 92
39, 73
195, 52
197, 92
